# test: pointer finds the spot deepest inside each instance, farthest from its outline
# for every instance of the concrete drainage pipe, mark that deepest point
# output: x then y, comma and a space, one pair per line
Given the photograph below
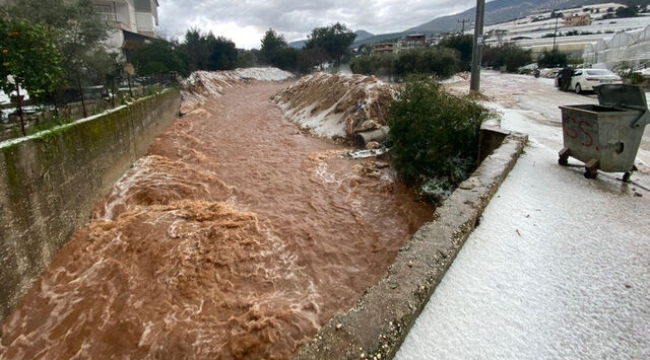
362, 139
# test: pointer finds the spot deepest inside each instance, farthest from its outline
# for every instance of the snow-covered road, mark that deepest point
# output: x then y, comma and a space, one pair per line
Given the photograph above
559, 267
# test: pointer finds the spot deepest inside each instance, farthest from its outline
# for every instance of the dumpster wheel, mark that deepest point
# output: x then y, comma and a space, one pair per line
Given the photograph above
564, 157
591, 169
628, 174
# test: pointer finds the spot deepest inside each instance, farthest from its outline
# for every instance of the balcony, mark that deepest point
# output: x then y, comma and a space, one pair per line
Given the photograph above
112, 18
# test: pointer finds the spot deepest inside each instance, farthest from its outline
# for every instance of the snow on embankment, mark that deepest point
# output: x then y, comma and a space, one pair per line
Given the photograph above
202, 85
336, 106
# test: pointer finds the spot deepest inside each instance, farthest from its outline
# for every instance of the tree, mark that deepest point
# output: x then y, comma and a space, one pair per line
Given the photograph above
158, 57
464, 45
509, 55
245, 58
627, 11
207, 52
378, 64
335, 39
443, 62
223, 53
29, 59
195, 46
287, 59
553, 58
272, 44
75, 29
308, 58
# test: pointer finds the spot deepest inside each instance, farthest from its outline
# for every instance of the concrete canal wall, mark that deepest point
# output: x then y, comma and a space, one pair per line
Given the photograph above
50, 181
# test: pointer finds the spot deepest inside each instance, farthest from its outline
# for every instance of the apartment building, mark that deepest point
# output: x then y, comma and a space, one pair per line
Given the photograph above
384, 48
414, 41
133, 22
577, 20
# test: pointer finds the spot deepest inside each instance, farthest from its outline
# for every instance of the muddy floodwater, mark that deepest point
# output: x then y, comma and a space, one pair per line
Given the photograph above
237, 237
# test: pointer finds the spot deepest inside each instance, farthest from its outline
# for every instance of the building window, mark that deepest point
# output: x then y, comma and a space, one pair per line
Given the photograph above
143, 5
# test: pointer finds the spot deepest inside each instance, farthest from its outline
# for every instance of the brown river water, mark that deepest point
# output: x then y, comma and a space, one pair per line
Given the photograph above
237, 237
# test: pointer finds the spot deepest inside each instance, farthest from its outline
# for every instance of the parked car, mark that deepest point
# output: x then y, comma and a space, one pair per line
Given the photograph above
586, 79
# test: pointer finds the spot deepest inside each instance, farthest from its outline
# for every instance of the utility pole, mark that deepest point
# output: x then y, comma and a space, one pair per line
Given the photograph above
463, 21
555, 32
475, 79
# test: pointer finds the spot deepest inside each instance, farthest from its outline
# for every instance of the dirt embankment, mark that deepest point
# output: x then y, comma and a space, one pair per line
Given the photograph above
337, 106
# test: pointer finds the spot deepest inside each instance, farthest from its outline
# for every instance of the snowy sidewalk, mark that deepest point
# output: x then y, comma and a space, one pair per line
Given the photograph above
559, 267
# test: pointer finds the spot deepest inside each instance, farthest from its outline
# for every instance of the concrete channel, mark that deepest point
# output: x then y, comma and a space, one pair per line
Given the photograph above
381, 319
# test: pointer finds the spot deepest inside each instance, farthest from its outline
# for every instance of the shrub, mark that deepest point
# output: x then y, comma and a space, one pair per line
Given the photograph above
511, 56
380, 65
434, 134
442, 62
464, 45
553, 58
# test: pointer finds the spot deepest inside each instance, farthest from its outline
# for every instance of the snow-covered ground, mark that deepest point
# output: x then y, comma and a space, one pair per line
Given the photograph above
4, 99
559, 267
529, 32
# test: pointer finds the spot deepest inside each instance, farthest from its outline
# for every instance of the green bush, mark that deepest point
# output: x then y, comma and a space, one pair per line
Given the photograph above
434, 134
380, 65
442, 62
464, 45
511, 56
553, 58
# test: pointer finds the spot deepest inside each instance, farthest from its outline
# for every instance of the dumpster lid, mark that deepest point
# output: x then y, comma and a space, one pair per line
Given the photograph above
622, 96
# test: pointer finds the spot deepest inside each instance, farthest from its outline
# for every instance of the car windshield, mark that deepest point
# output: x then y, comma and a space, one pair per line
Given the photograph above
598, 72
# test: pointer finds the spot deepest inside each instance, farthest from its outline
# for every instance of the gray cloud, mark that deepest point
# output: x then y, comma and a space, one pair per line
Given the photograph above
245, 21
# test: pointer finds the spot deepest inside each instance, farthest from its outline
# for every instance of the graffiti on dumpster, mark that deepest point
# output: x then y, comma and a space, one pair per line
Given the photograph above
579, 128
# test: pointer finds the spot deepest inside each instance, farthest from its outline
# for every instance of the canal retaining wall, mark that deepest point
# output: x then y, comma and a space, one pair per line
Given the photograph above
378, 324
50, 181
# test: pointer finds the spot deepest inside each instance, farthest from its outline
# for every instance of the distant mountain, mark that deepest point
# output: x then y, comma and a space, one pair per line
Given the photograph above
498, 11
495, 12
362, 35
299, 44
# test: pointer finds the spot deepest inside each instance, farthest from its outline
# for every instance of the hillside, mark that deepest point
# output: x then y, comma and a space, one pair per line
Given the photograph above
499, 11
495, 12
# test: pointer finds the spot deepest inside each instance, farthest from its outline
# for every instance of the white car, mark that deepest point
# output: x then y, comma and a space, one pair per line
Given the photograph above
586, 79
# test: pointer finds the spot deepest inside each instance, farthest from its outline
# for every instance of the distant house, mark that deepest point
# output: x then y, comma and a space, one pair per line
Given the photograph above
577, 20
415, 41
132, 22
384, 48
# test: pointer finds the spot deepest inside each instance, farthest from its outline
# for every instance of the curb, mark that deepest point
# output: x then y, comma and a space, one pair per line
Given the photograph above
378, 324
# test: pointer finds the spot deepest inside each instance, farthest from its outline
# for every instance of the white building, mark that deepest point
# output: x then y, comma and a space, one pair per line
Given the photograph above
132, 21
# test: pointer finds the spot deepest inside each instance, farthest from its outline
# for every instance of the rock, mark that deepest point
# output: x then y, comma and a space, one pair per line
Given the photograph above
372, 145
381, 164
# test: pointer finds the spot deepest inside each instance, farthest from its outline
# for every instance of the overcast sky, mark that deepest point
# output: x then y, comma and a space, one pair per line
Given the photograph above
246, 21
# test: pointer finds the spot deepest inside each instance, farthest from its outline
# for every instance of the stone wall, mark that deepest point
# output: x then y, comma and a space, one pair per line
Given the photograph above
50, 181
